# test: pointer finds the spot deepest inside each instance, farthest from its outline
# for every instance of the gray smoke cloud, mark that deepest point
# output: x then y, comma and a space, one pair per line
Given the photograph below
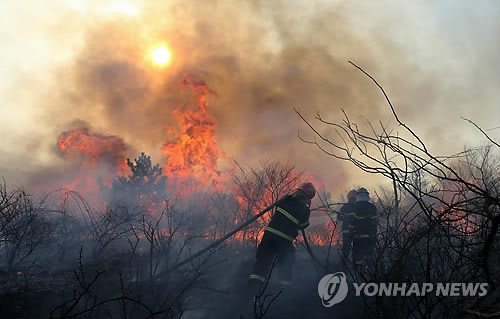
264, 58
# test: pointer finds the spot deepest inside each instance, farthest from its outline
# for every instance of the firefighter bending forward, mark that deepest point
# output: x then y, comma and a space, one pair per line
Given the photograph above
291, 215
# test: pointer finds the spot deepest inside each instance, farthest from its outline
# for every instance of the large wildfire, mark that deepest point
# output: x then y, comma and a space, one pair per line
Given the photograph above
190, 151
189, 165
145, 143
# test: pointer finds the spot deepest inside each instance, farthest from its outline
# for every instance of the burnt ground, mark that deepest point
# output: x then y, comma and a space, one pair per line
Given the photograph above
301, 300
221, 292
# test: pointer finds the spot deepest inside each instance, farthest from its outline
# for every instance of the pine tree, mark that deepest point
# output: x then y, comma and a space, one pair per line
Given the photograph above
146, 184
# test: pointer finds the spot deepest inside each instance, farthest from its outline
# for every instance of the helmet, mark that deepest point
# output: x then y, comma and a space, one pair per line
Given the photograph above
362, 195
362, 190
309, 189
351, 195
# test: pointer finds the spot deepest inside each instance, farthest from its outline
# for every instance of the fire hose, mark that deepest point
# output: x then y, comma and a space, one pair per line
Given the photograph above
224, 238
234, 231
309, 251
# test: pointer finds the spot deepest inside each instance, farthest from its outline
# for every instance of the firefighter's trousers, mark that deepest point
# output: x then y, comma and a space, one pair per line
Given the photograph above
363, 249
347, 240
270, 247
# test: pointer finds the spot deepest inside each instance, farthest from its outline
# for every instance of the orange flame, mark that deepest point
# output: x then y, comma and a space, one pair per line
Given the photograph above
80, 144
193, 151
324, 234
192, 154
92, 150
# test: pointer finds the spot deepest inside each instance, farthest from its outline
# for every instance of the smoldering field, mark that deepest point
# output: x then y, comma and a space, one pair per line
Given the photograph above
66, 257
92, 235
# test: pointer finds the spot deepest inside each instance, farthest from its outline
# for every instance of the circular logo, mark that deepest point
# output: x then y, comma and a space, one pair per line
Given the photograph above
332, 289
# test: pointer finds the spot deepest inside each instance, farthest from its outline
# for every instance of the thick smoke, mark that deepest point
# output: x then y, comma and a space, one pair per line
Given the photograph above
263, 58
259, 60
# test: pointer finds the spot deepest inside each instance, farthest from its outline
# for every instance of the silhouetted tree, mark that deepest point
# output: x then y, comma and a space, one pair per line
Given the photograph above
145, 185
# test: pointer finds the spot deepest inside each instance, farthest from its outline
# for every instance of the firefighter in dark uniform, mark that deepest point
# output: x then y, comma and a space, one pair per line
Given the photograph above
346, 216
290, 216
365, 229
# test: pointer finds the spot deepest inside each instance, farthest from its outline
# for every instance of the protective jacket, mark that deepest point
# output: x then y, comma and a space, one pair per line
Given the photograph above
365, 220
365, 233
346, 216
290, 216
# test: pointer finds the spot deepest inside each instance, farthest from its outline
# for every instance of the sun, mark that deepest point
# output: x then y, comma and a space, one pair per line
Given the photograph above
160, 55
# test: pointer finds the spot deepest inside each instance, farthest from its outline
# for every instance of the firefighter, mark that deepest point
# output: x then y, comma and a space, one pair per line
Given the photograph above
291, 215
365, 229
347, 211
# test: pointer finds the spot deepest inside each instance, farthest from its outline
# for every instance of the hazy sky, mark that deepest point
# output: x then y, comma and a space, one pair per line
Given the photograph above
71, 63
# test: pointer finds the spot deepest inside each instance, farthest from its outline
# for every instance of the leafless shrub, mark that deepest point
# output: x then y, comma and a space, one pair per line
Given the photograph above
259, 188
23, 226
441, 222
